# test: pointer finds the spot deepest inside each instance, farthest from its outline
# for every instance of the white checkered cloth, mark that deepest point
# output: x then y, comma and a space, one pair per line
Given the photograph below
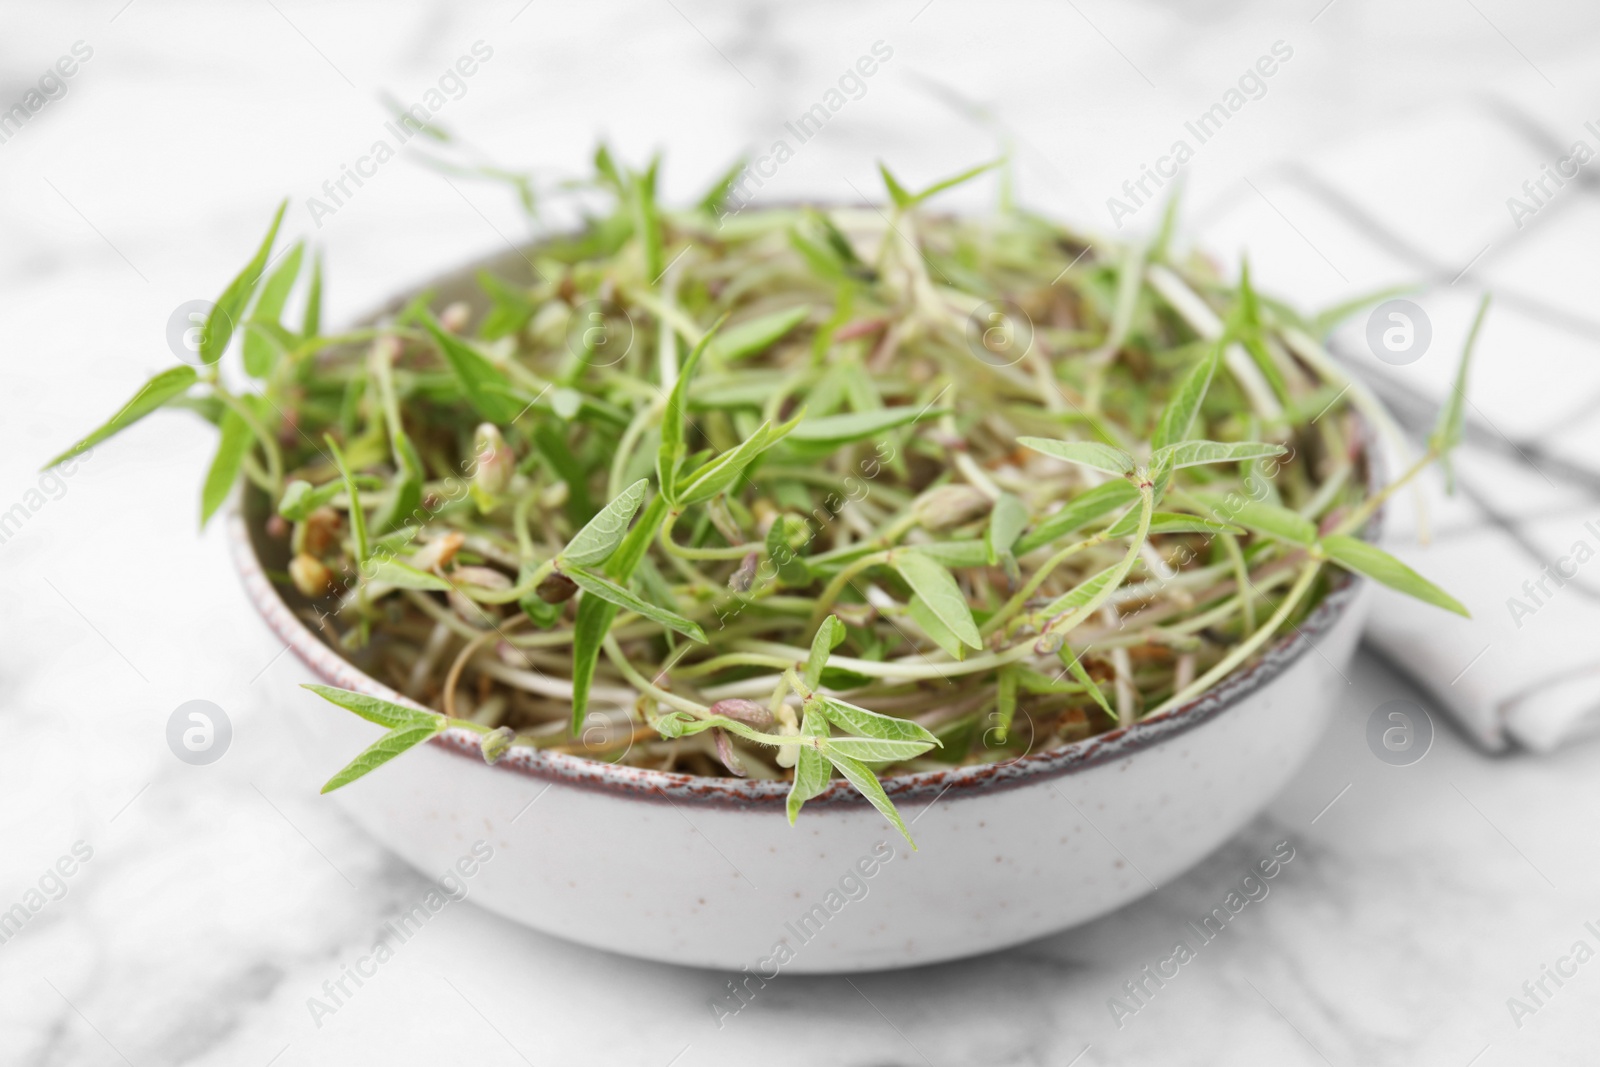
1519, 541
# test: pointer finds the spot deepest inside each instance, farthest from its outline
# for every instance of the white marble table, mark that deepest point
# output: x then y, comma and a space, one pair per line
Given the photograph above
218, 899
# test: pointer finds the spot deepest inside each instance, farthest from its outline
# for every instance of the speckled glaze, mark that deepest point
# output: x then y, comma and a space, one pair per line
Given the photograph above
707, 871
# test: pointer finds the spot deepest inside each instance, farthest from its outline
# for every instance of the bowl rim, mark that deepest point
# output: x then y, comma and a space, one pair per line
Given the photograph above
771, 794
672, 787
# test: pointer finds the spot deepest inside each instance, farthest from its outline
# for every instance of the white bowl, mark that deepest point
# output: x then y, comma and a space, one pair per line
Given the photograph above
708, 871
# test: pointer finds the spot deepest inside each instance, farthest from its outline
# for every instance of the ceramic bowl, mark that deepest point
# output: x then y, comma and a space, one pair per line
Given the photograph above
708, 871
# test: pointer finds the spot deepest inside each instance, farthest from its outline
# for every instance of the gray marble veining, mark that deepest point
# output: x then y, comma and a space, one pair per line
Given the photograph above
219, 900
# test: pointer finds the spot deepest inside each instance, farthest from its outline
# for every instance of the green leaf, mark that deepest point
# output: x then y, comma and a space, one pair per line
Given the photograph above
711, 202
955, 553
1322, 323
1086, 453
934, 627
746, 388
938, 589
839, 243
810, 769
1079, 603
669, 458
825, 433
755, 336
231, 448
1179, 414
1196, 453
595, 614
1006, 523
297, 500
828, 637
723, 471
261, 346
1080, 674
595, 542
405, 576
654, 587
1037, 682
406, 498
385, 713
607, 171
395, 541
230, 306
782, 536
1447, 431
1160, 481
264, 342
301, 498
822, 263
646, 224
867, 785
566, 403
1086, 591
1249, 307
871, 724
598, 585
950, 183
486, 387
167, 385
898, 194
386, 748
1162, 242
1245, 324
1356, 555
1078, 512
1168, 522
311, 325
873, 750
358, 517
1276, 522
510, 311
625, 560
589, 630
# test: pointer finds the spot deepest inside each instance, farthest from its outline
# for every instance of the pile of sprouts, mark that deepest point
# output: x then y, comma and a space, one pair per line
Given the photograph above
785, 492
